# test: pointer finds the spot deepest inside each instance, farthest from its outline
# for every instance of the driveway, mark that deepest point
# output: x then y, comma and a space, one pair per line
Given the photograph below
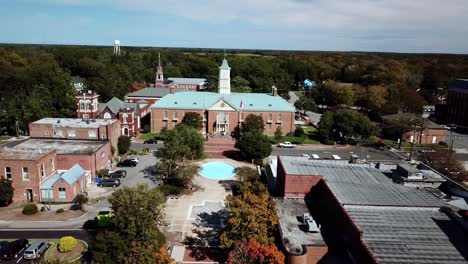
143, 173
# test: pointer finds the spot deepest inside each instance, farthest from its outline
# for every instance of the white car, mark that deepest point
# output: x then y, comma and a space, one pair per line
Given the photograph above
134, 159
287, 145
306, 155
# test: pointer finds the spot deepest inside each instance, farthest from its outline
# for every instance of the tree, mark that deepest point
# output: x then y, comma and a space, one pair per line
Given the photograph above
182, 142
252, 252
143, 252
80, 200
325, 129
254, 145
444, 161
193, 119
110, 243
249, 216
6, 192
123, 144
306, 104
344, 124
278, 134
299, 132
332, 94
136, 211
178, 175
240, 85
253, 123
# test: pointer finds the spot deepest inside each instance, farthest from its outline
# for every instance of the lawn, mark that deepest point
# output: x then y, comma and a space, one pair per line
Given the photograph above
147, 136
5, 137
310, 137
52, 253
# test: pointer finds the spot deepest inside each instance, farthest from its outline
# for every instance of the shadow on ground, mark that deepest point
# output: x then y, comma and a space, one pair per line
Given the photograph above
151, 173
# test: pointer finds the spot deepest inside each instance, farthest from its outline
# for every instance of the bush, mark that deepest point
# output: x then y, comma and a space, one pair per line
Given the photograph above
80, 199
168, 189
30, 209
60, 210
67, 243
43, 209
299, 132
123, 144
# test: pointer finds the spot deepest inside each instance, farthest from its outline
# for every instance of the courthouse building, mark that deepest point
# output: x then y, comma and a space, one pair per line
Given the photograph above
223, 111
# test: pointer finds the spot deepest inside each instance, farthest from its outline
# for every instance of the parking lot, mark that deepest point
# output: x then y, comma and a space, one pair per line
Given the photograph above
368, 153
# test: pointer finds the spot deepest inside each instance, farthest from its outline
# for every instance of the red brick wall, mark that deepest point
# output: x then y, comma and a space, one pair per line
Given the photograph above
34, 181
151, 100
70, 190
92, 162
426, 137
313, 255
297, 186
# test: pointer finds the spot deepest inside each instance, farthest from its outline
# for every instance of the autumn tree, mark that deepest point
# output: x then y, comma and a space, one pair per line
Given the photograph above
444, 161
143, 252
249, 216
252, 252
193, 119
332, 94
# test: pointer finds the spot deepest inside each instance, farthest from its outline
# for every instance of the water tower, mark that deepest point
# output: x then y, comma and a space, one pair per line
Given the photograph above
117, 47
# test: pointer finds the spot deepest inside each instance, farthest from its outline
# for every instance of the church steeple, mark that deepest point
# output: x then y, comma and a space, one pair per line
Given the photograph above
159, 73
224, 81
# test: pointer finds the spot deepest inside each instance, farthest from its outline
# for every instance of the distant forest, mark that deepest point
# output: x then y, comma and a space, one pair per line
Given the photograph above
35, 80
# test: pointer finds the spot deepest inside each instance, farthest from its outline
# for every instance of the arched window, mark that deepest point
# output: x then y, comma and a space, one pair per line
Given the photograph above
107, 116
125, 118
88, 105
82, 107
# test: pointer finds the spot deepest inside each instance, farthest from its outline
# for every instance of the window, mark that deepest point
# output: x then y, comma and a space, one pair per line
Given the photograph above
92, 133
42, 170
269, 126
81, 105
107, 116
242, 117
279, 118
165, 114
125, 118
72, 133
8, 173
165, 123
103, 136
270, 117
25, 174
175, 115
58, 132
52, 164
62, 193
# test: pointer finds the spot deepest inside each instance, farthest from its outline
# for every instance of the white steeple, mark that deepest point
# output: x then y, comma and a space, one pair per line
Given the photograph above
224, 82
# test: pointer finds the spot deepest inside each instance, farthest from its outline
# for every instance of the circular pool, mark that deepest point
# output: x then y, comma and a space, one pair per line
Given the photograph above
217, 170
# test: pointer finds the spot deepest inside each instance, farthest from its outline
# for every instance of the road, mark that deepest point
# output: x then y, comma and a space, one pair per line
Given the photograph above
84, 235
368, 153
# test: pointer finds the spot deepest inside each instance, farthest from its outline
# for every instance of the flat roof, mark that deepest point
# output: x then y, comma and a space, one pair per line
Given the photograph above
291, 229
23, 154
410, 235
354, 184
409, 168
63, 146
75, 122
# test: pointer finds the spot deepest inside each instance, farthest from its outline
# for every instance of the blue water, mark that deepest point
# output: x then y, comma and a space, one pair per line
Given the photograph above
217, 170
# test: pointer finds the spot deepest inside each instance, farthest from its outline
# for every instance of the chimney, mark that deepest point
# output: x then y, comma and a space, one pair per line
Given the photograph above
172, 89
274, 91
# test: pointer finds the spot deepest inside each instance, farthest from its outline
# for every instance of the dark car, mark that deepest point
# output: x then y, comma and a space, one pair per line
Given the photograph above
12, 249
127, 163
117, 175
109, 183
151, 141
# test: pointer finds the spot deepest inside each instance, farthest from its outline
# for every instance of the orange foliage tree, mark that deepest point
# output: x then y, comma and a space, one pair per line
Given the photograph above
143, 252
252, 252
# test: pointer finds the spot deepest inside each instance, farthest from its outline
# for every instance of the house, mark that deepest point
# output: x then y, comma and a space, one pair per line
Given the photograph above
366, 218
64, 185
74, 128
223, 112
424, 132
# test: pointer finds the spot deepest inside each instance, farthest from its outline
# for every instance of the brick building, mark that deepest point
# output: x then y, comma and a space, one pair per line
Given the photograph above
223, 111
366, 218
427, 132
91, 155
36, 177
73, 128
457, 103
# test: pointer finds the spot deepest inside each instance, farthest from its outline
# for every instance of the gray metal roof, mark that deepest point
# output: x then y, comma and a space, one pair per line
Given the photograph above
410, 235
150, 92
115, 104
354, 184
195, 81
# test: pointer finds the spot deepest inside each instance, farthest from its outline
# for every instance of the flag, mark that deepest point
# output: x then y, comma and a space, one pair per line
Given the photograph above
241, 105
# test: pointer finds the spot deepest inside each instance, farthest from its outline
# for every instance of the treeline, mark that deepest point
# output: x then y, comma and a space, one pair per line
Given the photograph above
35, 81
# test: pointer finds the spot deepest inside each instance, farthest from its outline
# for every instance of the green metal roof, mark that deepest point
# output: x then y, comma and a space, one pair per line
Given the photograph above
204, 100
224, 65
150, 92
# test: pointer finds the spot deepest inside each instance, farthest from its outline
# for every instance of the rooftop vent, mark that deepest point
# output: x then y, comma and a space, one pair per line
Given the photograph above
175, 103
194, 103
251, 104
269, 104
58, 121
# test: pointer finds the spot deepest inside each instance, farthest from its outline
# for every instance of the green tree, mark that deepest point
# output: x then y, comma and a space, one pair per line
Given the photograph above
332, 94
80, 200
299, 132
123, 144
6, 192
182, 142
253, 123
306, 104
193, 119
240, 85
136, 211
110, 243
325, 130
278, 134
254, 145
350, 123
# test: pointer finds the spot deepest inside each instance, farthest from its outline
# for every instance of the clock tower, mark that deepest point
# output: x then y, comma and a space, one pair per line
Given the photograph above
224, 82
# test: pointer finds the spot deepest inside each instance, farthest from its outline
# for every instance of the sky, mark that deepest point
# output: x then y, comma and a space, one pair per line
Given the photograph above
422, 26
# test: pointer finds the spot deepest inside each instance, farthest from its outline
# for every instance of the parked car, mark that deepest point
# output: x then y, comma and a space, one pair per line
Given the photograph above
36, 250
287, 145
151, 141
123, 173
13, 249
109, 183
305, 155
127, 163
315, 156
134, 159
116, 175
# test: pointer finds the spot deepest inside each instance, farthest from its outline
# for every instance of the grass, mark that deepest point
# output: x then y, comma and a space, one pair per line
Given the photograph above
147, 136
406, 146
5, 137
52, 253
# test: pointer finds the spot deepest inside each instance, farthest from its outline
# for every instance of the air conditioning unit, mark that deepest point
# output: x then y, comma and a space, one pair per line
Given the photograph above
305, 217
312, 226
